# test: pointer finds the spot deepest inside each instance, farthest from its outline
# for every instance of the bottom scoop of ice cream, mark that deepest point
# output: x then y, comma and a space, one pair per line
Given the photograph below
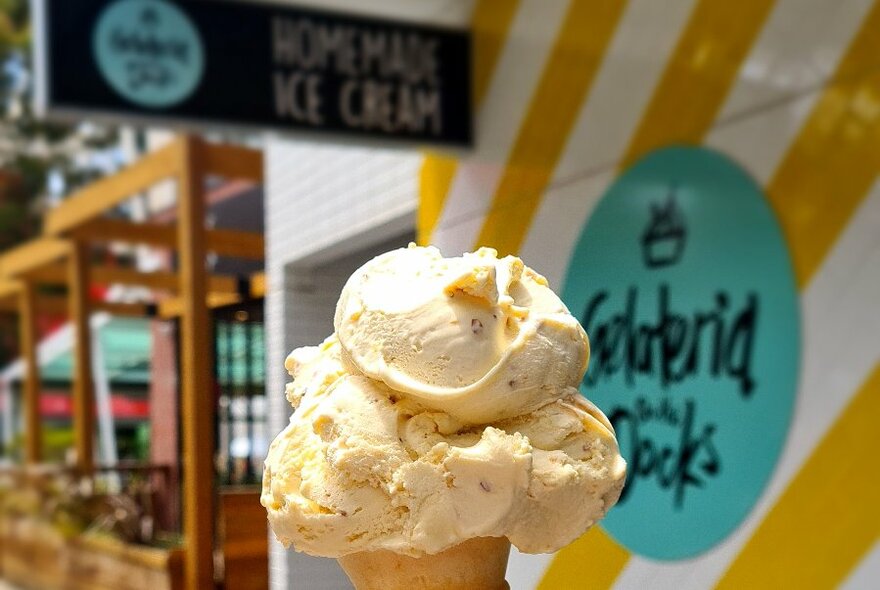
361, 467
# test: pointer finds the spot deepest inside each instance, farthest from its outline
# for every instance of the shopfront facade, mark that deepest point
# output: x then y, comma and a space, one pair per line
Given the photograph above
702, 173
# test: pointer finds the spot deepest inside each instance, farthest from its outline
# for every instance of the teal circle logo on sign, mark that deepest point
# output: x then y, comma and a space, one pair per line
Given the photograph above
149, 52
683, 282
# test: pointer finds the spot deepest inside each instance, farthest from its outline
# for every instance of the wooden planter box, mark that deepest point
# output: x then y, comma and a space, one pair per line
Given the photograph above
101, 563
35, 556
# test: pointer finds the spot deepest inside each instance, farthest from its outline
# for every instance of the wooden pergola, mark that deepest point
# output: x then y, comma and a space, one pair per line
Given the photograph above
60, 257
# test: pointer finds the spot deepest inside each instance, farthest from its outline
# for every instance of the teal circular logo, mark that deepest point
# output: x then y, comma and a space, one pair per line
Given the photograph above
149, 52
682, 279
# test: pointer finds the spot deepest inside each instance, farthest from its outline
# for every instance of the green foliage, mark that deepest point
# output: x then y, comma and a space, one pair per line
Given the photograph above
18, 218
55, 444
14, 26
31, 148
75, 504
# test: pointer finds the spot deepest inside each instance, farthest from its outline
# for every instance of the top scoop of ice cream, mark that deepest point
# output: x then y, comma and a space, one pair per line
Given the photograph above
443, 409
477, 337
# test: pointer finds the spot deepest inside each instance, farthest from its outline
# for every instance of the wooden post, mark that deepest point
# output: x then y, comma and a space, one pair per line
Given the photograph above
196, 395
33, 432
83, 391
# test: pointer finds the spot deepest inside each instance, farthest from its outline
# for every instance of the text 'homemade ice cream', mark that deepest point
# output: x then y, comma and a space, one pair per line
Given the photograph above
444, 408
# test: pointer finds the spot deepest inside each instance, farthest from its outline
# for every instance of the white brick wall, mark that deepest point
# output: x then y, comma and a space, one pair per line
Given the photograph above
328, 210
320, 195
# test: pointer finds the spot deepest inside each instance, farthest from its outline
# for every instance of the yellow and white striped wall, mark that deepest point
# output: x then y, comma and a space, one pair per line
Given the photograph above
568, 93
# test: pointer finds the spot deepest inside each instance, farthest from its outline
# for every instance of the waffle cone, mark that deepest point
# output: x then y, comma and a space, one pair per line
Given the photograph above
476, 564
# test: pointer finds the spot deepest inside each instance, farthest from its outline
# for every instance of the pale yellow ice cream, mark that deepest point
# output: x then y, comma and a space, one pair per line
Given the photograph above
443, 409
477, 337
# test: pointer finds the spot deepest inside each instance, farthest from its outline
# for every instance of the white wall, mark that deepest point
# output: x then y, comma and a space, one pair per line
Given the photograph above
328, 209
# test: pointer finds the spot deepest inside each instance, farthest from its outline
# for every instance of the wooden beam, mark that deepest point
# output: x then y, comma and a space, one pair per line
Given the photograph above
9, 289
198, 401
83, 391
104, 229
232, 161
105, 194
50, 274
173, 307
234, 243
108, 275
27, 322
59, 304
118, 308
31, 255
222, 285
258, 285
223, 242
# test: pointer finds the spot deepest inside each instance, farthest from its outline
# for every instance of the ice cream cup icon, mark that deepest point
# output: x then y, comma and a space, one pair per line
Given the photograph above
475, 564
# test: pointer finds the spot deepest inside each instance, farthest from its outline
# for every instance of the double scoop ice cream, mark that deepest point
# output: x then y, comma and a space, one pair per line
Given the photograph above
444, 409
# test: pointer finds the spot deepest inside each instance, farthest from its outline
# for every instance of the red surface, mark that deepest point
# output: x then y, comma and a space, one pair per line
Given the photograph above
55, 404
48, 323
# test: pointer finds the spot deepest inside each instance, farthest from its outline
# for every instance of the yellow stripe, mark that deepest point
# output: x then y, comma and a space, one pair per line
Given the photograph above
829, 516
570, 71
490, 24
707, 57
435, 178
697, 79
836, 156
826, 174
590, 563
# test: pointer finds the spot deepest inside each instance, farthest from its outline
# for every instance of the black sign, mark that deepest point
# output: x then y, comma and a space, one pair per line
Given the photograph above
253, 65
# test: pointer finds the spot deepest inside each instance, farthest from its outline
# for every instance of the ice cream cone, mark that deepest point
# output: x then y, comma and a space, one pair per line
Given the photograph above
476, 564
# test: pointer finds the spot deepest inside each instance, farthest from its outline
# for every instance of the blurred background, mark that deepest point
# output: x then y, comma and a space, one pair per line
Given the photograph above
185, 186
